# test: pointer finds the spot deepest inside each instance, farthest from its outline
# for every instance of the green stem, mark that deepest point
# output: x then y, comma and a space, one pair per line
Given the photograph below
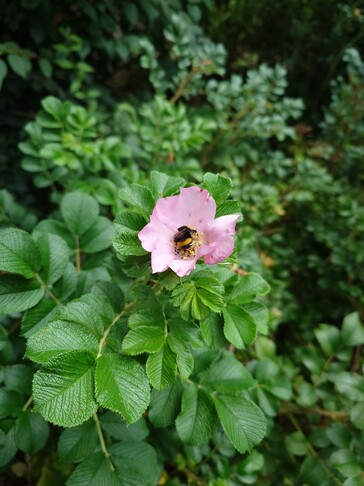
102, 442
47, 289
29, 401
78, 255
108, 329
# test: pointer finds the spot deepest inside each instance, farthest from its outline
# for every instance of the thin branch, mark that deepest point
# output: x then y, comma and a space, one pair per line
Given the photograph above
78, 255
102, 442
183, 84
29, 401
47, 289
337, 416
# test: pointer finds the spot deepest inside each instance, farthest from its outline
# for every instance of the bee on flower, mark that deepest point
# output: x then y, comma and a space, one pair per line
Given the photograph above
183, 229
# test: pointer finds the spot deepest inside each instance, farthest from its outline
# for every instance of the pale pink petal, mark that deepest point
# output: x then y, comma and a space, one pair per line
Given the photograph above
161, 258
193, 207
220, 238
183, 267
153, 233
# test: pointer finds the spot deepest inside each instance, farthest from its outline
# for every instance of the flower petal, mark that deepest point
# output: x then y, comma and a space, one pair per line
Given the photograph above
153, 233
183, 267
193, 207
220, 237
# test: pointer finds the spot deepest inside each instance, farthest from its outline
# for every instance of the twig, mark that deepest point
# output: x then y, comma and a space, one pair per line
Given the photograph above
47, 289
102, 442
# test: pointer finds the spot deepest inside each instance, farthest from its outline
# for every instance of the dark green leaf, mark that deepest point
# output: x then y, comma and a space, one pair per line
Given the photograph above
144, 339
77, 443
18, 294
165, 405
161, 368
31, 432
18, 253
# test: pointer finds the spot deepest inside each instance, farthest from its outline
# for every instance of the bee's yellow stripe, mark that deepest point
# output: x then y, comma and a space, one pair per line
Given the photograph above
181, 244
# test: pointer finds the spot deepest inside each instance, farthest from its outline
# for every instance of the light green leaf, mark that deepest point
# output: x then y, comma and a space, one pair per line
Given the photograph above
67, 284
31, 432
18, 253
98, 237
239, 327
218, 186
228, 376
38, 316
63, 389
349, 384
21, 65
161, 367
328, 337
212, 331
54, 256
228, 207
196, 421
129, 222
18, 294
144, 339
184, 357
345, 462
77, 443
259, 313
242, 421
128, 244
164, 185
248, 288
122, 386
59, 337
165, 405
352, 333
357, 415
79, 211
140, 197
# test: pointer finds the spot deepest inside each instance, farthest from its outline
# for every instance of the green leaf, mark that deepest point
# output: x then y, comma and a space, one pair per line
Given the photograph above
19, 377
184, 357
112, 292
218, 186
228, 207
239, 327
94, 471
18, 294
248, 288
196, 421
144, 339
328, 337
212, 331
121, 386
357, 415
345, 462
79, 211
140, 197
77, 443
128, 244
8, 447
18, 253
242, 421
3, 72
161, 367
115, 426
135, 463
46, 67
10, 403
63, 389
165, 405
31, 432
164, 185
59, 337
98, 237
37, 317
259, 313
352, 333
296, 443
21, 65
228, 376
54, 254
67, 284
350, 385
129, 222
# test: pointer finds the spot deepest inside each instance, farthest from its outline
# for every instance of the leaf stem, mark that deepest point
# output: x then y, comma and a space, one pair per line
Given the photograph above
108, 329
78, 254
29, 401
47, 289
102, 442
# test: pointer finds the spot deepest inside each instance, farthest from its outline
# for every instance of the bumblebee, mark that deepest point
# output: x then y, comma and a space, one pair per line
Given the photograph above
186, 242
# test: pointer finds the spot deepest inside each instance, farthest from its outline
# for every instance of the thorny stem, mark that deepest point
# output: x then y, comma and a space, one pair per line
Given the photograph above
102, 442
313, 452
183, 84
108, 329
47, 289
29, 401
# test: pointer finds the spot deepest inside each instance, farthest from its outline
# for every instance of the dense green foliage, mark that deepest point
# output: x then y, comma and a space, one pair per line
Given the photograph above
245, 372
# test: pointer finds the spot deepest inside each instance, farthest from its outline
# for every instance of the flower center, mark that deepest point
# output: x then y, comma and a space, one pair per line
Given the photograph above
186, 242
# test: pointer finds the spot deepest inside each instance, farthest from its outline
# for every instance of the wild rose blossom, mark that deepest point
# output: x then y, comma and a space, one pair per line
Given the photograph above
182, 229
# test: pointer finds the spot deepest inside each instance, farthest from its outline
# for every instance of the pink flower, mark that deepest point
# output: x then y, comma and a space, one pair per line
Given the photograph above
182, 229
